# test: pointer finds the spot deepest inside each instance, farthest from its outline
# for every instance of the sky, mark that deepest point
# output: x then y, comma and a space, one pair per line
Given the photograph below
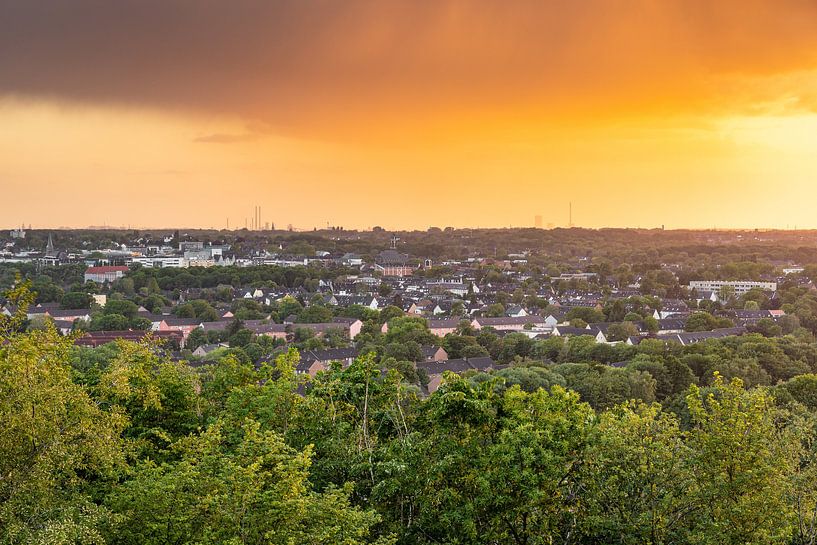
408, 114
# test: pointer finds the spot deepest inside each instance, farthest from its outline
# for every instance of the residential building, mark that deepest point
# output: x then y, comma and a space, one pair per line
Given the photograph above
740, 286
104, 274
393, 263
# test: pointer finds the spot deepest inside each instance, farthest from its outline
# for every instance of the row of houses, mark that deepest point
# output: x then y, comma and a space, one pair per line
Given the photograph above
314, 361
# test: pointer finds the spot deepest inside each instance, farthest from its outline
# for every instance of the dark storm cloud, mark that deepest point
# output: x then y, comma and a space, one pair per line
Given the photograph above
309, 62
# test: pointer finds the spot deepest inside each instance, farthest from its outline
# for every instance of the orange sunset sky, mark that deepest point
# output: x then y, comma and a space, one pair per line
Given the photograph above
406, 114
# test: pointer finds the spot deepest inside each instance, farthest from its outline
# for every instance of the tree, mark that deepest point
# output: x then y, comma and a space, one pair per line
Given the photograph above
588, 314
196, 338
742, 461
156, 393
289, 306
455, 344
603, 387
247, 309
315, 314
651, 324
803, 389
240, 338
46, 290
109, 322
788, 323
198, 308
633, 317
530, 378
403, 351
621, 331
76, 299
726, 293
636, 481
252, 489
152, 286
54, 441
515, 345
495, 310
473, 351
704, 321
389, 313
184, 311
154, 303
384, 289
766, 327
671, 376
617, 311
125, 308
40, 322
410, 328
513, 456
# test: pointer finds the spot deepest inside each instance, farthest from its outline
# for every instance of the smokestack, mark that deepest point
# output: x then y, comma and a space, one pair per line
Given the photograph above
259, 217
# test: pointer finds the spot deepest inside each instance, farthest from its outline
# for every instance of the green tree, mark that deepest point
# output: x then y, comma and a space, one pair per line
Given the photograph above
315, 314
250, 489
621, 331
76, 299
704, 321
489, 468
742, 461
158, 395
55, 441
389, 313
240, 338
588, 314
289, 306
122, 307
109, 322
636, 482
495, 310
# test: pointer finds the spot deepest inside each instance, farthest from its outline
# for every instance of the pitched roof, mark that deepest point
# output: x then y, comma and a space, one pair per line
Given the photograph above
329, 354
458, 365
511, 320
444, 323
182, 322
106, 269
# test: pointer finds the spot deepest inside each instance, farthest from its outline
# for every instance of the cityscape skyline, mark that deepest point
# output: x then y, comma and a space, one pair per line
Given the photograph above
678, 113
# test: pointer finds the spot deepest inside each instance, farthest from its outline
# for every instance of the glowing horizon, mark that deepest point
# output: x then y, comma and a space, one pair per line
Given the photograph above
686, 114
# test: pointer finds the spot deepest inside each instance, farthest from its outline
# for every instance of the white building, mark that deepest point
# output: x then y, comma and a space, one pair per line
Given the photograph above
157, 262
740, 286
100, 275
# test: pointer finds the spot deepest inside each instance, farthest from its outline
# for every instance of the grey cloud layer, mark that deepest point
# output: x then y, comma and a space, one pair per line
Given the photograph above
285, 62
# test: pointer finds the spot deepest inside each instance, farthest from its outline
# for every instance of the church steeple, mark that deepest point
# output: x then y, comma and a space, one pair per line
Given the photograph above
50, 246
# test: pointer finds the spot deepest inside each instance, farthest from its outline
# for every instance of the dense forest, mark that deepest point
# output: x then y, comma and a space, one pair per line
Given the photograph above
121, 445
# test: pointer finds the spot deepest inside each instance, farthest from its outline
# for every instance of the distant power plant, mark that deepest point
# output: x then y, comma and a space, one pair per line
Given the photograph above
255, 223
538, 221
